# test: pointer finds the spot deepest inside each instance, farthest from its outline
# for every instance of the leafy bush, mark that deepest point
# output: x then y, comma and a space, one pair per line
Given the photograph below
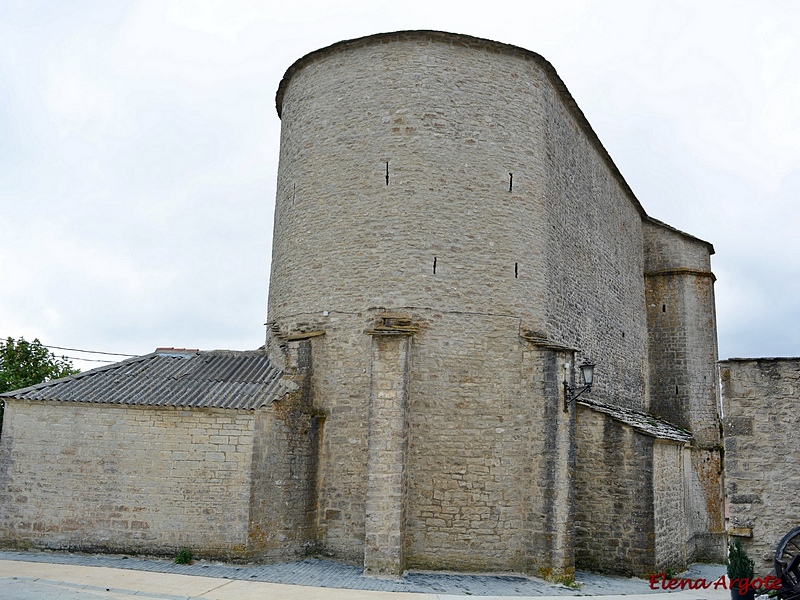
24, 363
740, 566
184, 556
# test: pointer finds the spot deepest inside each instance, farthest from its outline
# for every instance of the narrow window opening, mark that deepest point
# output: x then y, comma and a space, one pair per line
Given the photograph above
434, 265
387, 172
516, 270
676, 390
663, 308
623, 335
510, 181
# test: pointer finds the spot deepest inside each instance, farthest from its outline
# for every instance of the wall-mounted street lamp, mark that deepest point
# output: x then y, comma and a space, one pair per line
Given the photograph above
571, 393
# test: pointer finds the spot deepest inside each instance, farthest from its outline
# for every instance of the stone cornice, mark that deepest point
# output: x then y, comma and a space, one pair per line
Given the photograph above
681, 271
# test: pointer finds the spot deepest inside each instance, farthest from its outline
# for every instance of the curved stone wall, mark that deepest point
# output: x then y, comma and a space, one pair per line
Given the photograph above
454, 182
457, 128
435, 171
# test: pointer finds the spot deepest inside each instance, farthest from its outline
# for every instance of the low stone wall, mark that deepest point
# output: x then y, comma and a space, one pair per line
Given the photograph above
125, 478
760, 398
613, 485
630, 514
669, 497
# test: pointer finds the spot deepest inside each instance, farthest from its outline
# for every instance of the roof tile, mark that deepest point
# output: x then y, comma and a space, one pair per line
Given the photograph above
243, 380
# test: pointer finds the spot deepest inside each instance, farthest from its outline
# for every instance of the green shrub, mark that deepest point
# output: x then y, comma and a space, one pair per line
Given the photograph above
740, 566
184, 556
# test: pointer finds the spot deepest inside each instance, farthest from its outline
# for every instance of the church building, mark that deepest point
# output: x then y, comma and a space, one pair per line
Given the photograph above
481, 355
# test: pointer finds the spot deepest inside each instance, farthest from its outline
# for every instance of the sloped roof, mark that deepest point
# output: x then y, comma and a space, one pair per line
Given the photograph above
243, 380
642, 422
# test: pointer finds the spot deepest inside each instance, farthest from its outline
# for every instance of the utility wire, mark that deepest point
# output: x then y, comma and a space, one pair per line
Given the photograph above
91, 352
87, 359
86, 351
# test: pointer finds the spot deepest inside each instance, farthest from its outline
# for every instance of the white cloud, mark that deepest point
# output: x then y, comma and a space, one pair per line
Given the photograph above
139, 141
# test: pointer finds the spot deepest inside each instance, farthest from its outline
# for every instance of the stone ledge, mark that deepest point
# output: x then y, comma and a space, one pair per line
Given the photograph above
394, 324
301, 335
740, 531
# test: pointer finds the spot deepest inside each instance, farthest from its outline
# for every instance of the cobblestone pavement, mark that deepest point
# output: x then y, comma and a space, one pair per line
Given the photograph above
329, 574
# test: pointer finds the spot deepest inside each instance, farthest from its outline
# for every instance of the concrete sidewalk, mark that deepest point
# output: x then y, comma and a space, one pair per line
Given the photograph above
45, 578
29, 581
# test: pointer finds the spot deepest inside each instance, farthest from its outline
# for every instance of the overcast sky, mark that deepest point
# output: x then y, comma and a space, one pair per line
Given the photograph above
139, 145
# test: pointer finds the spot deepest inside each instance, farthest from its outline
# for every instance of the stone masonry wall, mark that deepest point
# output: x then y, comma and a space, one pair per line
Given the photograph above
468, 451
614, 512
123, 478
705, 521
341, 391
483, 491
761, 420
451, 122
387, 491
440, 176
594, 257
680, 391
669, 497
681, 319
477, 431
284, 497
551, 513
495, 201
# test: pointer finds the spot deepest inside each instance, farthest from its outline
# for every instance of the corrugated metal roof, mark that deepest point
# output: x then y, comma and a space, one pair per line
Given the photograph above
241, 380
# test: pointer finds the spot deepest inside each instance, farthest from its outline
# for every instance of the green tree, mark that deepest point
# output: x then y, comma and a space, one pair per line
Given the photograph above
24, 363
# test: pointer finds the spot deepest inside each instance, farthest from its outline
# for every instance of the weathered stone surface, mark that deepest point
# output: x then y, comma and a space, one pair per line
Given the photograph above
759, 397
283, 494
454, 182
671, 470
387, 489
614, 519
102, 477
451, 239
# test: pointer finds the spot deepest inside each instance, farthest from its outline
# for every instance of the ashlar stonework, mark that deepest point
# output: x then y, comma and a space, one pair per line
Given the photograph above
451, 239
452, 184
761, 420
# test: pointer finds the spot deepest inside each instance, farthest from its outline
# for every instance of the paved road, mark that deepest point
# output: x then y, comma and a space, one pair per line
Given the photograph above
52, 576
